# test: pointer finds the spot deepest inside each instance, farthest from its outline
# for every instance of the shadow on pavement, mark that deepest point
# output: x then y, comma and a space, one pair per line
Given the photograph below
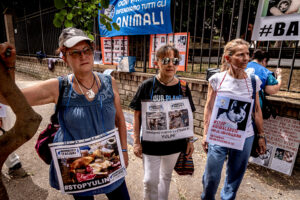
19, 186
276, 179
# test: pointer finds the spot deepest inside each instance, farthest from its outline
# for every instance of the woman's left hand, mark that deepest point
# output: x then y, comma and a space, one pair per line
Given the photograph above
125, 156
8, 54
262, 146
189, 149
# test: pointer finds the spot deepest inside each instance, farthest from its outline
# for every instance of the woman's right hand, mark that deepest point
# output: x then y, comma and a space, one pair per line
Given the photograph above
204, 144
137, 149
278, 72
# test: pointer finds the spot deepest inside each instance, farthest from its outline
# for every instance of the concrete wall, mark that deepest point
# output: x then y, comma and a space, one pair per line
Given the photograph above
128, 84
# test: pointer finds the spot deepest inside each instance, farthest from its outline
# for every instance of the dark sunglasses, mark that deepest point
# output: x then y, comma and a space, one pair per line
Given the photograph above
166, 61
77, 53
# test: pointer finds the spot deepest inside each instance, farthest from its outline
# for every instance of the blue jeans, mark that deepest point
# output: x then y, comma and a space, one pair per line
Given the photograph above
236, 167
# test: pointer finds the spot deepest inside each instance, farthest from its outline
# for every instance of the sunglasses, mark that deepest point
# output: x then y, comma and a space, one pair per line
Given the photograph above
166, 61
77, 53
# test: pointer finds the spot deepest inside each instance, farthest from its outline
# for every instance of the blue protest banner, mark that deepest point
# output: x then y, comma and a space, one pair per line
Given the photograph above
138, 17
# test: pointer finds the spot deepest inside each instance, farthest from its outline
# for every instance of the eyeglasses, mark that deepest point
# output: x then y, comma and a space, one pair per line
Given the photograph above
77, 53
166, 61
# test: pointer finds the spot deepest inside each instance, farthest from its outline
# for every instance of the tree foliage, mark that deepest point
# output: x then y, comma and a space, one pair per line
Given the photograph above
81, 14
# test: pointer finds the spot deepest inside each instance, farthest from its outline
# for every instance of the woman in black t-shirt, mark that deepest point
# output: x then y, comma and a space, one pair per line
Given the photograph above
159, 157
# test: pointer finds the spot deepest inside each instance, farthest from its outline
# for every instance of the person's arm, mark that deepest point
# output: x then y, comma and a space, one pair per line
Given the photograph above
42, 93
273, 89
120, 121
8, 61
136, 130
39, 94
211, 95
259, 125
190, 146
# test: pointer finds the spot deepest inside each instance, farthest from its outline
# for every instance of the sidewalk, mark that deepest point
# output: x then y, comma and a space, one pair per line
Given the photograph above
259, 183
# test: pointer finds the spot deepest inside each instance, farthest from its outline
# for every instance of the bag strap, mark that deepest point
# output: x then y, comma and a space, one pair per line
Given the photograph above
253, 82
54, 118
183, 87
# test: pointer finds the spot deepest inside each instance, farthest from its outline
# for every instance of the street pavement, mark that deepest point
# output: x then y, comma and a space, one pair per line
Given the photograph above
31, 182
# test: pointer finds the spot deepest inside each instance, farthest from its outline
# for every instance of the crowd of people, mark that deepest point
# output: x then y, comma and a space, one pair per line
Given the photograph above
91, 106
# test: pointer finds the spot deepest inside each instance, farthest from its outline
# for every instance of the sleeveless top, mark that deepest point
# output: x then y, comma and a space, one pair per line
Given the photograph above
81, 119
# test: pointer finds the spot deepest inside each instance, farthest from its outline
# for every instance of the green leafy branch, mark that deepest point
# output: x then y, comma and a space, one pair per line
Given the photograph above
81, 14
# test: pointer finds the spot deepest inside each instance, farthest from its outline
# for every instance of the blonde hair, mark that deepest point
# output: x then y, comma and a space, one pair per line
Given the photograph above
230, 49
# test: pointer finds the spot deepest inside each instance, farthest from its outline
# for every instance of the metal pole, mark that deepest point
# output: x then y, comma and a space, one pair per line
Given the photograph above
174, 18
41, 26
112, 50
202, 36
248, 15
26, 33
238, 31
292, 67
231, 21
221, 32
187, 35
144, 54
181, 10
211, 32
195, 31
279, 56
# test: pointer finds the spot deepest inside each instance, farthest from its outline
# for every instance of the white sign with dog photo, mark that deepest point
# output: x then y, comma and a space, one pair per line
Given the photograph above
229, 121
88, 164
167, 120
283, 138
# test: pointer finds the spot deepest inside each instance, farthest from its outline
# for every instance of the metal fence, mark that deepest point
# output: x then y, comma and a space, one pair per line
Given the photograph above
211, 23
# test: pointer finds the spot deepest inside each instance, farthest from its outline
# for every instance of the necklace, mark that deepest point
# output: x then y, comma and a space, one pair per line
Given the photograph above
90, 93
165, 83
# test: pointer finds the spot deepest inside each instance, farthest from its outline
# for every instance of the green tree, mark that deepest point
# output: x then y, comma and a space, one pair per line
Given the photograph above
81, 14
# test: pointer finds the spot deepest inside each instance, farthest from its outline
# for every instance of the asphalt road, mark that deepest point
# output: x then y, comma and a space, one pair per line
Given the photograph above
31, 182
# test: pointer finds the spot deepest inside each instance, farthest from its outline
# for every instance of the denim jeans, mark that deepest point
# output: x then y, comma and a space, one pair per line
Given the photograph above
236, 167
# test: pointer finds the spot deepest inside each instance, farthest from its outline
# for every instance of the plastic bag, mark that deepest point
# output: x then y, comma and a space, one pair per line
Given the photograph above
126, 64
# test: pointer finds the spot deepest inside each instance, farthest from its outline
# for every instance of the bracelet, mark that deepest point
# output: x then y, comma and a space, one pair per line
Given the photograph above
261, 136
11, 68
192, 140
124, 150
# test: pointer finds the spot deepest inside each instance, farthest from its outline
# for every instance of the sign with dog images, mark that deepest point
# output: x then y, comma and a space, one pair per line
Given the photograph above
283, 138
113, 49
88, 164
229, 121
167, 120
277, 20
2, 110
179, 40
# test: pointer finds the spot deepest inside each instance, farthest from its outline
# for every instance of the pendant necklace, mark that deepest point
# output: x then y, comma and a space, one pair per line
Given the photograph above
165, 83
90, 93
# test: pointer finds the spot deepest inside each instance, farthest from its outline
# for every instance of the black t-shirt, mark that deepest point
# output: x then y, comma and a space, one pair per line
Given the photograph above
160, 93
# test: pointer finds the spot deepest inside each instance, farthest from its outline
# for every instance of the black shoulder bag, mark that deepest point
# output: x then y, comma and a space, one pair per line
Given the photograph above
255, 145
